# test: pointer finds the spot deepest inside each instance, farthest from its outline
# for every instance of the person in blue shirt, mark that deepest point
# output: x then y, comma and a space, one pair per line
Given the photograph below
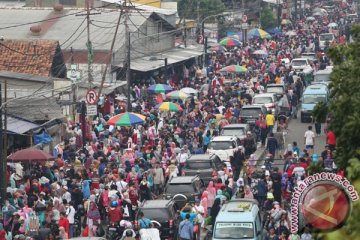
143, 221
186, 229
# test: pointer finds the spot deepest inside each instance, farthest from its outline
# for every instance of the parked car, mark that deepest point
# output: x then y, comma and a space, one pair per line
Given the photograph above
224, 147
249, 113
242, 131
184, 189
277, 89
202, 165
269, 101
299, 64
163, 215
239, 219
312, 95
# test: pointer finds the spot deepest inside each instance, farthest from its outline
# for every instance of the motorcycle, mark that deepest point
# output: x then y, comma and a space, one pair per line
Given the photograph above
114, 232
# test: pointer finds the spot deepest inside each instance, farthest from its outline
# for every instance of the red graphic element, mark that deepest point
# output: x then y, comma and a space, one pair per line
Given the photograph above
325, 206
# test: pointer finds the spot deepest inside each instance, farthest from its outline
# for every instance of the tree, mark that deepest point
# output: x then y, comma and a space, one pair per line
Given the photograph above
267, 18
345, 121
320, 112
189, 9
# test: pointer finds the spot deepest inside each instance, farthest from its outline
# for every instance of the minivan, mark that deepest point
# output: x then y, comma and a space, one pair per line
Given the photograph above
325, 38
239, 219
323, 76
312, 95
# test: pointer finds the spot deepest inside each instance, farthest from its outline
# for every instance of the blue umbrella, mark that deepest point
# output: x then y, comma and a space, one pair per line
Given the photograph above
275, 31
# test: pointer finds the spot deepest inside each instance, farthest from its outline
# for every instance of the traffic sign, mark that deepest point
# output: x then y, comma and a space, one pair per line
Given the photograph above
74, 74
91, 110
244, 18
91, 97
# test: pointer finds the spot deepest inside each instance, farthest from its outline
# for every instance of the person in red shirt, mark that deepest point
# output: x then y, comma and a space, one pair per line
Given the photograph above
115, 213
64, 222
331, 140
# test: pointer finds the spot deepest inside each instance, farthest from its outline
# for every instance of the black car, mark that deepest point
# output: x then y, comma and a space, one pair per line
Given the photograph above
202, 165
249, 113
184, 189
163, 214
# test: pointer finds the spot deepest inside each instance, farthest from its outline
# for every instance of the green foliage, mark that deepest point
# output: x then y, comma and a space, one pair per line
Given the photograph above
190, 9
315, 167
345, 99
345, 121
267, 18
320, 112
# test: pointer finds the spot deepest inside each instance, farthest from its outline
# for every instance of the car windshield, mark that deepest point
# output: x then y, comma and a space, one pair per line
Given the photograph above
297, 63
180, 188
322, 77
158, 213
234, 230
253, 112
313, 99
221, 145
275, 89
198, 164
326, 37
233, 131
262, 100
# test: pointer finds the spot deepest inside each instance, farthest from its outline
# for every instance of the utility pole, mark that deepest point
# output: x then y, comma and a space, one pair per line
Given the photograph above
83, 125
128, 58
111, 51
3, 161
73, 88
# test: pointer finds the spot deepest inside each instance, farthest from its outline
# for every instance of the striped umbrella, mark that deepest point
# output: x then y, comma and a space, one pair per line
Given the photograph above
160, 88
258, 33
169, 107
177, 95
126, 119
234, 69
230, 42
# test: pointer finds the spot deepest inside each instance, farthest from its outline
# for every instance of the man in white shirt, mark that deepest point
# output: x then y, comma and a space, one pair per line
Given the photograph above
66, 195
121, 184
70, 215
181, 159
309, 140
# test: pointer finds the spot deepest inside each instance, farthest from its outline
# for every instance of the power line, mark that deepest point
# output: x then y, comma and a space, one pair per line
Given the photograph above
77, 29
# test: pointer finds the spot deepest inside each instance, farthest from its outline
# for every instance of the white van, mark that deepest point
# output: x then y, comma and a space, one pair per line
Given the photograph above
239, 219
325, 38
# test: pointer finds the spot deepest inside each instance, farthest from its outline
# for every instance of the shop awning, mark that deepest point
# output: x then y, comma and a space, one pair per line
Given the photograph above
156, 61
19, 126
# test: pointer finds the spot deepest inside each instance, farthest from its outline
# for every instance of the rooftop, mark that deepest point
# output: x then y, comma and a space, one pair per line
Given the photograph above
28, 56
155, 203
238, 125
68, 27
182, 179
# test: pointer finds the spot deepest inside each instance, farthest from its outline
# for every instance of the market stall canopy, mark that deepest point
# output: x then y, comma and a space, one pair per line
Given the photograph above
189, 90
230, 42
30, 155
159, 88
177, 95
258, 33
169, 107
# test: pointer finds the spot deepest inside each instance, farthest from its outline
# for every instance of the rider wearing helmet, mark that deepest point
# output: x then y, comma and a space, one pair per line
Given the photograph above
115, 213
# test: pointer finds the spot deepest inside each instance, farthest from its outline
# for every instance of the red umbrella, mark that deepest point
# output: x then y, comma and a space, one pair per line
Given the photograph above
31, 155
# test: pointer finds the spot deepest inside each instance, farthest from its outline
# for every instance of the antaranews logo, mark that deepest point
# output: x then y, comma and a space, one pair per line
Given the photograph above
323, 200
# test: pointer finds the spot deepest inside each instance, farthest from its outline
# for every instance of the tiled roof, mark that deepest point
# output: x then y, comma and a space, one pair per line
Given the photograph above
28, 56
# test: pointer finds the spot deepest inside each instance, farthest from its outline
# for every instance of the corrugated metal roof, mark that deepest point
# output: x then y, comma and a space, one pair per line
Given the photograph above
19, 126
157, 61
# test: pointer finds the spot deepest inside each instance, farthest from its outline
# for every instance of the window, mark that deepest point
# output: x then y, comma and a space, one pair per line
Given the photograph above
221, 145
234, 230
313, 99
198, 164
158, 213
275, 90
180, 188
252, 112
262, 100
233, 131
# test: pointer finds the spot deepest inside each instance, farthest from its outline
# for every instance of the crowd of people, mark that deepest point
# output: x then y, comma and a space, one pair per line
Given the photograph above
79, 191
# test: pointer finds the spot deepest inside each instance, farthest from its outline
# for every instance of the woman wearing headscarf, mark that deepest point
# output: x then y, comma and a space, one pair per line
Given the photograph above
93, 216
211, 189
220, 195
214, 211
86, 189
248, 194
204, 204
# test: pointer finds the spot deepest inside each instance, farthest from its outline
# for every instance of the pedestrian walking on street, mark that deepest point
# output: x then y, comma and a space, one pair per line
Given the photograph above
309, 140
186, 229
272, 144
